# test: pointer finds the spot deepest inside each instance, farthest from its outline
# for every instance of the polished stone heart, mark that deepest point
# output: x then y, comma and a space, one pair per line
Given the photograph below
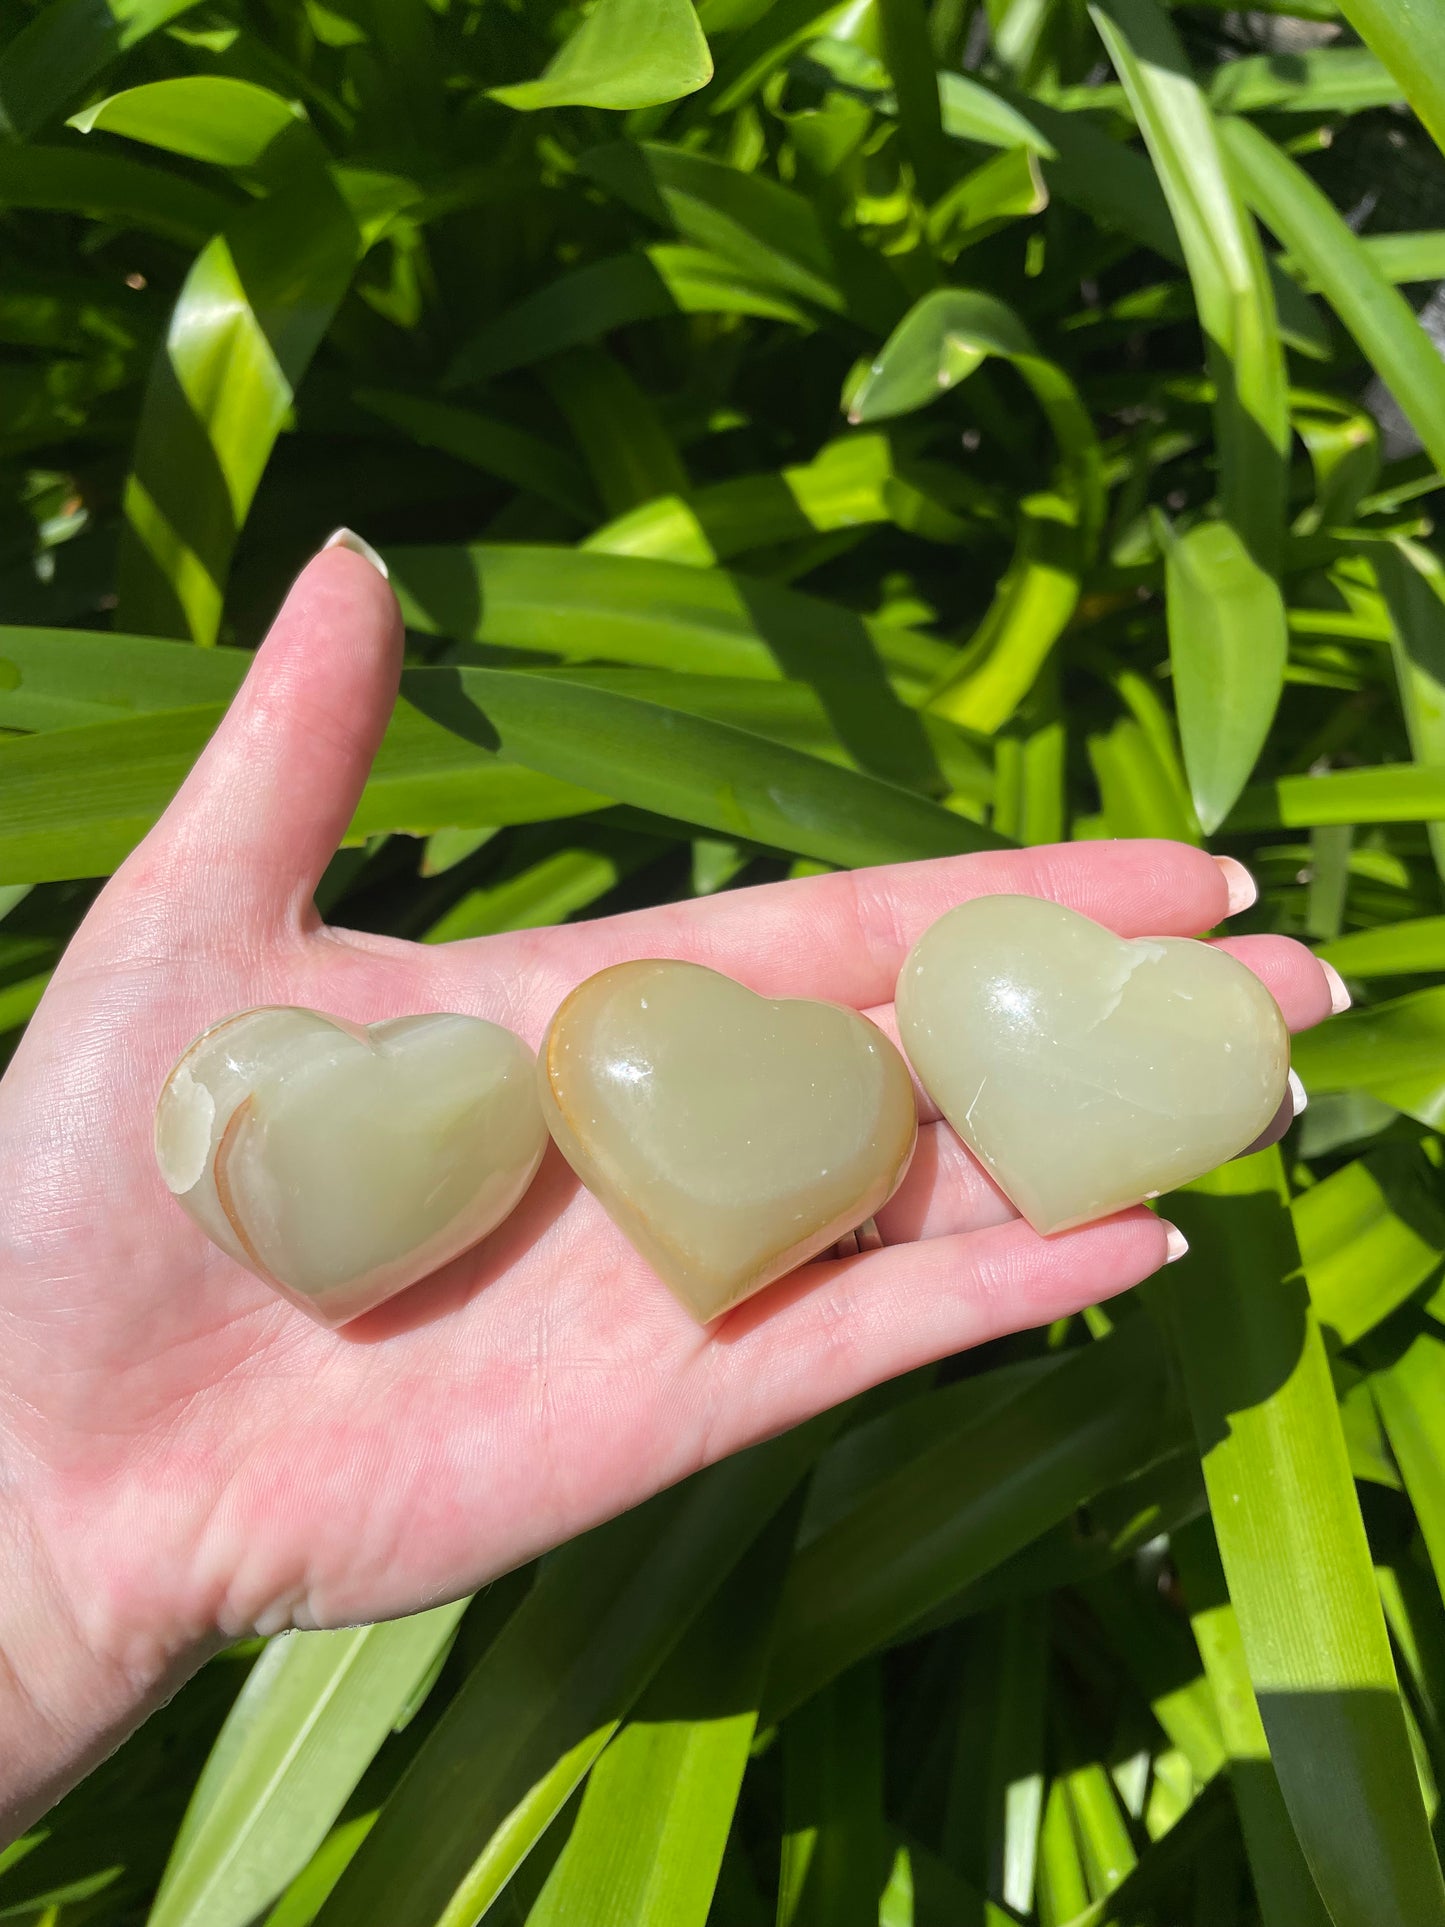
343, 1164
1086, 1072
729, 1138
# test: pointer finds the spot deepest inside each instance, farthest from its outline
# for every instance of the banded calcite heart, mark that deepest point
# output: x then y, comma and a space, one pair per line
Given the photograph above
343, 1164
729, 1138
1084, 1071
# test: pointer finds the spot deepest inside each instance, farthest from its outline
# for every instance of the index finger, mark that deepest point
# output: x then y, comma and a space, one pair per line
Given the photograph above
843, 937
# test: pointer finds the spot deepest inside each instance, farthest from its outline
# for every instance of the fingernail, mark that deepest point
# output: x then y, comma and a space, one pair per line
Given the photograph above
358, 545
1175, 1243
1340, 998
1243, 890
1298, 1095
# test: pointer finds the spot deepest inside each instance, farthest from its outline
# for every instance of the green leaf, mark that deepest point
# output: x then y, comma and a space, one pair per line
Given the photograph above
1117, 188
626, 53
71, 676
1342, 267
1227, 648
852, 482
1389, 793
1369, 1235
61, 49
974, 112
1409, 37
1412, 582
311, 1715
1106, 1851
1139, 789
1063, 1890
1226, 268
1285, 1886
1032, 606
649, 1836
1294, 1548
1395, 1050
533, 1715
909, 56
618, 432
498, 448
252, 311
1392, 950
806, 719
206, 117
1007, 187
549, 891
1407, 1387
1314, 80
721, 778
20, 1000
835, 1852
584, 305
79, 800
1405, 257
962, 1505
942, 340
588, 607
111, 187
776, 236
994, 1800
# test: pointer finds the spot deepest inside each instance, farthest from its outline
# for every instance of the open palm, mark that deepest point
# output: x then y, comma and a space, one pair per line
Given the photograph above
193, 1457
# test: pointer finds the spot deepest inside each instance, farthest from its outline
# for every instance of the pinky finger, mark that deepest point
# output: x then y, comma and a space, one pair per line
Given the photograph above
842, 1326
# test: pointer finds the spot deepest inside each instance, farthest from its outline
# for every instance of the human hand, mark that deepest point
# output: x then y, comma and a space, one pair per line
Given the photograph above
189, 1458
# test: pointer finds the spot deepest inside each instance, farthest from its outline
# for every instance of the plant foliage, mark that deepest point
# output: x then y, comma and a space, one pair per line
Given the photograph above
804, 435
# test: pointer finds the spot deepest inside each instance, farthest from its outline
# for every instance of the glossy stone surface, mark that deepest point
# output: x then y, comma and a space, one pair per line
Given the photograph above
343, 1164
1085, 1072
730, 1138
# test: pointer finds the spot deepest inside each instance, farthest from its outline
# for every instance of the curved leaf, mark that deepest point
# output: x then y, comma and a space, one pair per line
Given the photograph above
206, 117
940, 342
626, 53
61, 49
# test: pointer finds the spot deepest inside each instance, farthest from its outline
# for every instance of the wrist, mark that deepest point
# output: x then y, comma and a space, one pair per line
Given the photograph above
73, 1683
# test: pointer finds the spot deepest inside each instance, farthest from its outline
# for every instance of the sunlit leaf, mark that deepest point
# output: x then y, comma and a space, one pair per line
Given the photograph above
205, 117
1227, 646
625, 53
1294, 1549
62, 47
312, 1713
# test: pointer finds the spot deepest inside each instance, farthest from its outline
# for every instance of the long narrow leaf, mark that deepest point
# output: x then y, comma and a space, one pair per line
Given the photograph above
1294, 1550
312, 1713
549, 1693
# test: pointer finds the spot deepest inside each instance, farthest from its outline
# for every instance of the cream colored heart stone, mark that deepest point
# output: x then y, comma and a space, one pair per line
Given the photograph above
1086, 1072
729, 1138
340, 1163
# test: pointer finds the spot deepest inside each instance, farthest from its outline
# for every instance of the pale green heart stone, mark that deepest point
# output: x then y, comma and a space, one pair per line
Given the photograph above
1086, 1072
343, 1164
730, 1138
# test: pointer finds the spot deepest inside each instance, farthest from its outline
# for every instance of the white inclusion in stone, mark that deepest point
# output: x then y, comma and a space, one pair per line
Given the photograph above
187, 1144
1138, 954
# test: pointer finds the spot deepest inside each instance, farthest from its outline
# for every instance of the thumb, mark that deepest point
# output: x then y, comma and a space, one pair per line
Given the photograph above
261, 813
